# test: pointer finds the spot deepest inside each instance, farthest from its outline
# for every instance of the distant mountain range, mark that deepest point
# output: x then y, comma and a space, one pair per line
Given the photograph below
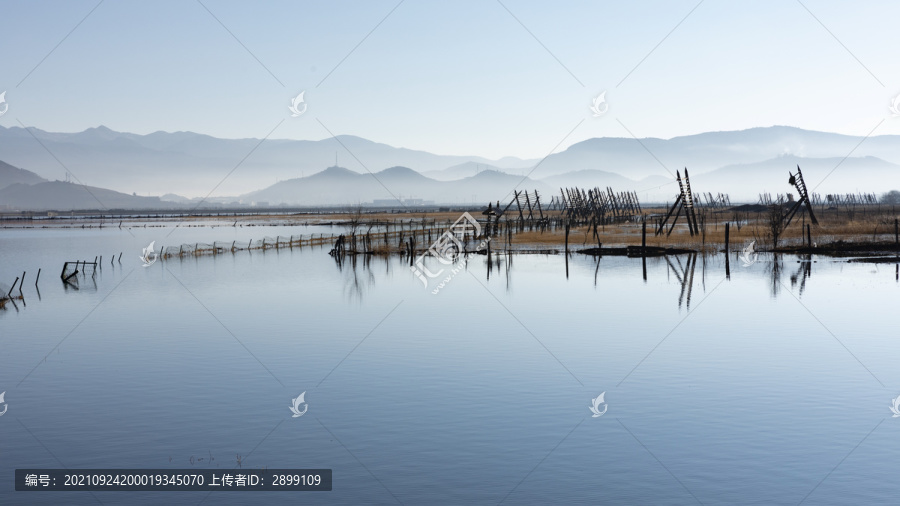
193, 164
113, 165
10, 175
341, 186
63, 196
709, 151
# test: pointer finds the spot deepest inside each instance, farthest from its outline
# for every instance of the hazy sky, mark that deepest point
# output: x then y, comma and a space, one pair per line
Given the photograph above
467, 77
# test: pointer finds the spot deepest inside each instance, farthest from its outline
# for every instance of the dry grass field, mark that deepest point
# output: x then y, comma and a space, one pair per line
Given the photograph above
856, 228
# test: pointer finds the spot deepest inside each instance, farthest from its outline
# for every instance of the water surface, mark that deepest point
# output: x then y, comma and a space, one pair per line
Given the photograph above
768, 386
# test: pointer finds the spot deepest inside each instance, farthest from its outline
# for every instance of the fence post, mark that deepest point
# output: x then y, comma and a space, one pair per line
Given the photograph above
644, 239
727, 237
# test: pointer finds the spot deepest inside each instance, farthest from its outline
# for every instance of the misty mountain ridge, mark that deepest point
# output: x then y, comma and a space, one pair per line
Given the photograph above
63, 196
740, 163
341, 186
10, 175
191, 163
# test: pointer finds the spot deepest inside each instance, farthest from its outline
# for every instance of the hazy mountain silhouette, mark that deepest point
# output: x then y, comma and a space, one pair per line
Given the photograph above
341, 186
466, 169
190, 163
63, 196
822, 175
741, 163
709, 151
10, 175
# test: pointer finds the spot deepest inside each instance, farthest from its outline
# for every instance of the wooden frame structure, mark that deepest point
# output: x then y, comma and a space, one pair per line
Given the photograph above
683, 202
598, 206
800, 185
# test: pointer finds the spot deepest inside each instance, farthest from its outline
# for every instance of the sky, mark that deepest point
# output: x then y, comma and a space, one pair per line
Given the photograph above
486, 78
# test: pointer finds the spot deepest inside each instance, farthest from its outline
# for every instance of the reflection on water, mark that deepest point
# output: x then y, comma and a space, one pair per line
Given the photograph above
723, 383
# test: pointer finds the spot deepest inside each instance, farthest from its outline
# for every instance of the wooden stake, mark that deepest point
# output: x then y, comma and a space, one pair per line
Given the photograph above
644, 241
727, 234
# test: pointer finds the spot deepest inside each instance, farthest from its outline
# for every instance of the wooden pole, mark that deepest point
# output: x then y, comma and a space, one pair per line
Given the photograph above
11, 288
567, 244
644, 240
38, 278
727, 236
808, 237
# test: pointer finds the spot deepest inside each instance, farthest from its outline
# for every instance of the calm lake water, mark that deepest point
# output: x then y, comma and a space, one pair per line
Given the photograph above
771, 387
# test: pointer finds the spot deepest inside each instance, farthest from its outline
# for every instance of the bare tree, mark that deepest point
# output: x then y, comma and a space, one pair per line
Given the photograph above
354, 217
891, 197
775, 223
